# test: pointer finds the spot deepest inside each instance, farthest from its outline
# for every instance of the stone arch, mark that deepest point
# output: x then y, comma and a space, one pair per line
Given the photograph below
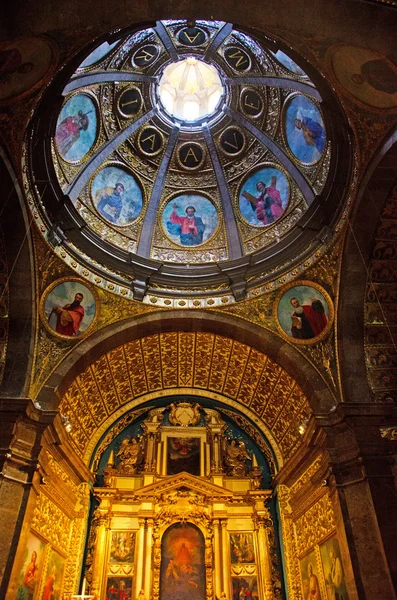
380, 179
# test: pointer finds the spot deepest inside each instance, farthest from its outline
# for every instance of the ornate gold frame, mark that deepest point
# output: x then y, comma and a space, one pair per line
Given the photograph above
318, 288
44, 319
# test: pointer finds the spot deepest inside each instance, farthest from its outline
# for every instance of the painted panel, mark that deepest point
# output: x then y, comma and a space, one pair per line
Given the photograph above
53, 577
333, 570
304, 129
122, 547
264, 196
242, 548
29, 576
183, 454
76, 128
189, 220
117, 196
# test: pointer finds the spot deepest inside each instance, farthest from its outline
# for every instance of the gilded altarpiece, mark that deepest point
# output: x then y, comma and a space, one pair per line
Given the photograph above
179, 536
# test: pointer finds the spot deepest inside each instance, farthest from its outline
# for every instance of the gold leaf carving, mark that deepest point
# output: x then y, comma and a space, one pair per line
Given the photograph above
49, 520
314, 524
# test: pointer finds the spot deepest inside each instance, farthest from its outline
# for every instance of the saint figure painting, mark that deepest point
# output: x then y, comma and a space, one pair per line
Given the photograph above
189, 219
117, 195
264, 196
29, 577
304, 312
182, 563
76, 128
69, 308
304, 129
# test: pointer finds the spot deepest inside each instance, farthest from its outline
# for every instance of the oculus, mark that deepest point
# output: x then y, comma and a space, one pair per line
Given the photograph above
190, 89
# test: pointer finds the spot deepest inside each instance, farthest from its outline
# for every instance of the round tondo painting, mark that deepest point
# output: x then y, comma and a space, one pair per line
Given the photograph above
304, 312
69, 308
264, 196
189, 219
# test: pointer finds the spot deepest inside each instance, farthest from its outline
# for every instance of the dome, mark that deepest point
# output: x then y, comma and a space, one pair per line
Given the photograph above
191, 146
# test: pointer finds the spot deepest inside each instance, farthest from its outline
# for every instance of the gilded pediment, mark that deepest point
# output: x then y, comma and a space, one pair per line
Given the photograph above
183, 484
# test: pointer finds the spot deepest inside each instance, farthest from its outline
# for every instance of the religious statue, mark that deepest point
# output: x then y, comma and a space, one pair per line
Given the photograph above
235, 456
131, 456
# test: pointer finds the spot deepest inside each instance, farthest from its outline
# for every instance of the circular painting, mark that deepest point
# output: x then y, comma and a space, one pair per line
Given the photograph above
304, 312
23, 63
97, 54
117, 196
76, 128
264, 196
304, 129
189, 219
68, 308
288, 63
366, 75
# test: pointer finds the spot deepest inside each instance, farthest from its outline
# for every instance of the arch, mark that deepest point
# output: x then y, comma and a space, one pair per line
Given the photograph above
287, 356
380, 178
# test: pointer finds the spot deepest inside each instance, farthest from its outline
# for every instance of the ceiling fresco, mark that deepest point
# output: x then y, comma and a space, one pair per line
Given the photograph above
201, 364
186, 145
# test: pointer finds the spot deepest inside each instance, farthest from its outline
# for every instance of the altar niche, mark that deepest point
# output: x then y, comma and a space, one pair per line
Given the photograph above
182, 563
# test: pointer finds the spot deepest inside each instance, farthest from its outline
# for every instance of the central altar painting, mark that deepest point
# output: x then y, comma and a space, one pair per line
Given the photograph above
182, 563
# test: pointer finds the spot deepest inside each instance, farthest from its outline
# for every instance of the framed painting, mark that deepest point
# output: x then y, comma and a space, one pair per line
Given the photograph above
189, 220
304, 129
263, 196
24, 64
242, 548
303, 312
52, 584
76, 128
182, 575
117, 195
367, 76
245, 588
310, 577
183, 454
119, 588
122, 547
333, 571
30, 574
69, 308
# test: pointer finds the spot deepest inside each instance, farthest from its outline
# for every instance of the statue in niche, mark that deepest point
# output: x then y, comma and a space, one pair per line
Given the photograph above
235, 457
131, 456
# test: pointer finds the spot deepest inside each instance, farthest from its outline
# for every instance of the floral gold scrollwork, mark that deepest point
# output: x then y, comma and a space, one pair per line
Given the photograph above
76, 548
56, 468
307, 475
49, 520
315, 524
289, 544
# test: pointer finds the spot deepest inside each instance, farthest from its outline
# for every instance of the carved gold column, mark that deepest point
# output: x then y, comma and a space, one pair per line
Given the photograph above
98, 563
148, 557
217, 561
139, 569
264, 564
225, 559
289, 544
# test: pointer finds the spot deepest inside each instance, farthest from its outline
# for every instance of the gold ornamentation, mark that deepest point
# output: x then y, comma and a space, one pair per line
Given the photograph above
390, 433
289, 544
307, 475
315, 524
77, 539
184, 414
52, 523
323, 355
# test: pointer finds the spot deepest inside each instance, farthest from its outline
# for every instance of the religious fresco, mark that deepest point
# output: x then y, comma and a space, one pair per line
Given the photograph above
366, 75
122, 547
76, 128
245, 588
333, 571
183, 455
119, 588
24, 63
29, 576
98, 54
52, 584
117, 196
310, 577
242, 548
304, 312
288, 63
189, 219
304, 129
264, 196
182, 574
68, 308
